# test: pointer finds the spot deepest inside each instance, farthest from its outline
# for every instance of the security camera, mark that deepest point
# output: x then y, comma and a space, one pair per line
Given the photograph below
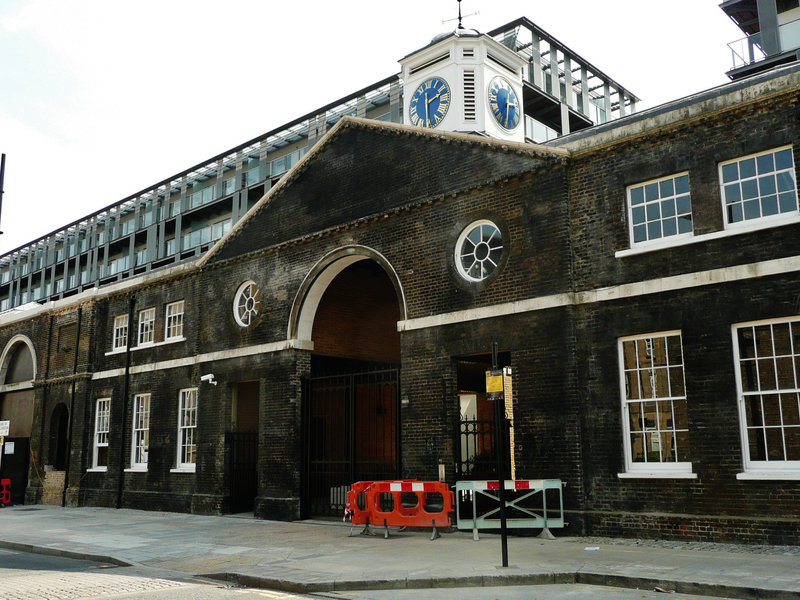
209, 378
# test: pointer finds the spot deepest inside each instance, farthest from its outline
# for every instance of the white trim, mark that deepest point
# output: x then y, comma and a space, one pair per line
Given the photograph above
660, 241
208, 357
135, 348
174, 316
758, 469
97, 470
457, 251
657, 475
665, 469
183, 470
119, 347
184, 429
779, 266
136, 470
672, 242
770, 220
768, 476
5, 357
16, 387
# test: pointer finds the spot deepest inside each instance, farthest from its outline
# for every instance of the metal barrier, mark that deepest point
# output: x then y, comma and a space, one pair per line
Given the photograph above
526, 505
406, 503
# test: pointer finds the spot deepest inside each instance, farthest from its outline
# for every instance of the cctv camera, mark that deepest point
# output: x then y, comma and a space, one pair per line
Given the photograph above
209, 378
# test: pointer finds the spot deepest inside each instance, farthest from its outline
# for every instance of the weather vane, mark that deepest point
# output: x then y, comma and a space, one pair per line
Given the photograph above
460, 26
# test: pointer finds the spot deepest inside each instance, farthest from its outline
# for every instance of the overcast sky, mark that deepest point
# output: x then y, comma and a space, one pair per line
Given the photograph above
100, 99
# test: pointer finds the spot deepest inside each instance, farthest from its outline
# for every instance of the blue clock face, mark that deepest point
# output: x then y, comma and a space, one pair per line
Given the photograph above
504, 103
429, 103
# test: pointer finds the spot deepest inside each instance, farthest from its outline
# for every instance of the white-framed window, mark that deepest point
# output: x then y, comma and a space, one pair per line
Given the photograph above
246, 303
759, 187
120, 332
187, 429
140, 431
147, 325
767, 356
654, 410
102, 416
478, 250
659, 209
174, 320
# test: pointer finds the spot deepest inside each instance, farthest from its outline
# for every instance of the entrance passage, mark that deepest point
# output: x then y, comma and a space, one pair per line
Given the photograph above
477, 457
353, 429
241, 447
351, 400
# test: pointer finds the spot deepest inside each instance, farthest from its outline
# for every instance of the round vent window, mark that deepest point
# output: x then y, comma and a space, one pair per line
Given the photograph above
246, 303
478, 250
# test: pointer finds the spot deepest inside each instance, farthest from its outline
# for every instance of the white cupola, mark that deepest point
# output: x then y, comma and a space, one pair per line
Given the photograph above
465, 81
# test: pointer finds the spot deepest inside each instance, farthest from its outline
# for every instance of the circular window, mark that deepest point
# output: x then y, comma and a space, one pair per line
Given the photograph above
246, 303
478, 250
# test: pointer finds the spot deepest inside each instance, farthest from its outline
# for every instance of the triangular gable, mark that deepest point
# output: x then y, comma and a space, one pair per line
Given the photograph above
363, 168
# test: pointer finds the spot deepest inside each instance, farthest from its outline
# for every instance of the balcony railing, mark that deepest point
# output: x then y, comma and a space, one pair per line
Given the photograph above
749, 50
746, 51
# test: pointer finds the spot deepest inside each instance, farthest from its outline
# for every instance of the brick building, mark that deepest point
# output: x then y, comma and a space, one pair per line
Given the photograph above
640, 277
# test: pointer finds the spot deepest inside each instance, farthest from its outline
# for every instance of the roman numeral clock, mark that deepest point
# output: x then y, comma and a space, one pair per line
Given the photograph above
465, 81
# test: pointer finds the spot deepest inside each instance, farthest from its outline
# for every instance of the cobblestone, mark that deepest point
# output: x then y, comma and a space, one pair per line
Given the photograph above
46, 585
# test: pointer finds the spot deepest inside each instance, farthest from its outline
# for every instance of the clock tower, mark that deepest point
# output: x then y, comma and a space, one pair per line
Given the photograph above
465, 81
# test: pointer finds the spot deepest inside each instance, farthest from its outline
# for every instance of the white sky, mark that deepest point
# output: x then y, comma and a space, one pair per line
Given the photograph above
100, 99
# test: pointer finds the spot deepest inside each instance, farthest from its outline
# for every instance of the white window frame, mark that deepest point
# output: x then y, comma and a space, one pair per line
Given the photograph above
467, 249
102, 426
173, 329
666, 470
762, 469
187, 430
664, 240
246, 303
140, 432
763, 221
147, 327
120, 341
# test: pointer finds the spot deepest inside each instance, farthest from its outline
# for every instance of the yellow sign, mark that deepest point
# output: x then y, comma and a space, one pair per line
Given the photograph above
494, 383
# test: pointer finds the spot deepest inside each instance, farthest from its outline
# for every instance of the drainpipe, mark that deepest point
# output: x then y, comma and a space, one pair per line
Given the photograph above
125, 393
71, 407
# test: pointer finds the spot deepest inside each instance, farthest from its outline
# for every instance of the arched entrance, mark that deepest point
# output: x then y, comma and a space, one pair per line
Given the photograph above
17, 372
351, 417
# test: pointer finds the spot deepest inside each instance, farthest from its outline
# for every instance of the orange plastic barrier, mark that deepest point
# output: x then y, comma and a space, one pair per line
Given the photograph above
5, 491
406, 503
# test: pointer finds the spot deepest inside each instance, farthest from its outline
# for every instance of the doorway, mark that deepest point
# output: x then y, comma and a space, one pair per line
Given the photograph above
241, 444
477, 458
351, 415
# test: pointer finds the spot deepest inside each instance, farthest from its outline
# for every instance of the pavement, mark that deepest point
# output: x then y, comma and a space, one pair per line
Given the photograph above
320, 556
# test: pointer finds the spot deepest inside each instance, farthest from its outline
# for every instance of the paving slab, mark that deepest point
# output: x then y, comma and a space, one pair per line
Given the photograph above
310, 556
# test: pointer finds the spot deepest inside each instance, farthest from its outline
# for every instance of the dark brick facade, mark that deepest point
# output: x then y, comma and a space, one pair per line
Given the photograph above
398, 199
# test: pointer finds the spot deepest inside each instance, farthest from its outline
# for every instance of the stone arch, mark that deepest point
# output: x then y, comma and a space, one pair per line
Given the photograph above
307, 299
11, 357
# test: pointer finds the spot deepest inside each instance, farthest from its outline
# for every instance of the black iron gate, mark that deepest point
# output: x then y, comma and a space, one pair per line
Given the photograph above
352, 433
477, 458
242, 454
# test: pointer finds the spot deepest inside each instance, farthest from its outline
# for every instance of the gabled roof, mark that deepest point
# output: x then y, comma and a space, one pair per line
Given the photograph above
363, 167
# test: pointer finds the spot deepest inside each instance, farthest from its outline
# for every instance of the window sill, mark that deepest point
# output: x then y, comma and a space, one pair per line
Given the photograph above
183, 470
97, 470
658, 475
768, 475
705, 237
136, 470
143, 346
